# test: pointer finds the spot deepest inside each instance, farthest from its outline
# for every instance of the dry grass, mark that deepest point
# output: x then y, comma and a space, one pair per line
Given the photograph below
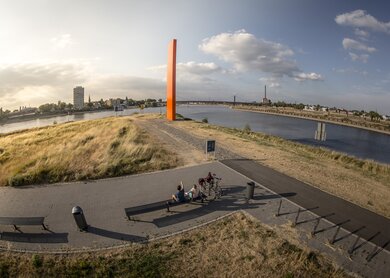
237, 246
363, 182
80, 150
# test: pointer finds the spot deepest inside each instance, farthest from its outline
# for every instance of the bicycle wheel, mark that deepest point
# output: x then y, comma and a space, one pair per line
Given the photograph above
210, 194
218, 192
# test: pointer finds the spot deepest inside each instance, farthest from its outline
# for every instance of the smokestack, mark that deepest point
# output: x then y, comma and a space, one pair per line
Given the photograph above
265, 91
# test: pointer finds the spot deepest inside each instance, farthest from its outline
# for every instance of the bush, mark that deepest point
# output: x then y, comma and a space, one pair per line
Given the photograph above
36, 261
247, 129
205, 120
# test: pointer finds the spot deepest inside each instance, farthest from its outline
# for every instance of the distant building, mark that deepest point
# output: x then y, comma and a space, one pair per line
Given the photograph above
78, 98
266, 101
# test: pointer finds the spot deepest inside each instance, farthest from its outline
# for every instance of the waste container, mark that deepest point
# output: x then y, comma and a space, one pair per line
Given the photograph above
250, 190
79, 218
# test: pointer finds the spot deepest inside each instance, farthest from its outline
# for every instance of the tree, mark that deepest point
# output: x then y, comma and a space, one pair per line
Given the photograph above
374, 116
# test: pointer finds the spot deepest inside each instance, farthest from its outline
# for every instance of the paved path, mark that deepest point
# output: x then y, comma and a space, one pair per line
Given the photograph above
353, 218
104, 201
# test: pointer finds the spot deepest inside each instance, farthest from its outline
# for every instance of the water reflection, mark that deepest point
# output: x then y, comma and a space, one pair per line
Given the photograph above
354, 141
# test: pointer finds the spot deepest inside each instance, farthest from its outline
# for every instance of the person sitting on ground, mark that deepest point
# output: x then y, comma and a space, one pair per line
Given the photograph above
194, 192
179, 195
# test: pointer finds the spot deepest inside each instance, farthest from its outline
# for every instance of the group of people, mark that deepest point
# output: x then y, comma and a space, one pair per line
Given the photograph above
194, 193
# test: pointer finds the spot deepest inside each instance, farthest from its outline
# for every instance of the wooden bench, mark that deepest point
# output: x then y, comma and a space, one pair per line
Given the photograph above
151, 207
23, 221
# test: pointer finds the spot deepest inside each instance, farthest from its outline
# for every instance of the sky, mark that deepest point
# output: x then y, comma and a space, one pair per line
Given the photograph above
333, 53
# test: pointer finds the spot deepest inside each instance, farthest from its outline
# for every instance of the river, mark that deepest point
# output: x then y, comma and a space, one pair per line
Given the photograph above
353, 141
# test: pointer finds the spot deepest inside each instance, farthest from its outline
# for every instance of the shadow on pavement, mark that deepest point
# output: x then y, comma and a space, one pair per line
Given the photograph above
226, 203
273, 196
35, 238
114, 235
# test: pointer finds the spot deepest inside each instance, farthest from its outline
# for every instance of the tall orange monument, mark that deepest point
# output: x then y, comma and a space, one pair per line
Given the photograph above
171, 81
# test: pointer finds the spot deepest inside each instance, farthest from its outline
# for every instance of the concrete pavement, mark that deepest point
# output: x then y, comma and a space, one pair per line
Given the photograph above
360, 221
104, 201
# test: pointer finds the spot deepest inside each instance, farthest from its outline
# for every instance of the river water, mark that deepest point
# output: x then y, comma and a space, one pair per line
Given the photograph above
353, 141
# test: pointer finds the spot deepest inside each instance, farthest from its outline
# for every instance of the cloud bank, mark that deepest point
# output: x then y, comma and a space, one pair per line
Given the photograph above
246, 52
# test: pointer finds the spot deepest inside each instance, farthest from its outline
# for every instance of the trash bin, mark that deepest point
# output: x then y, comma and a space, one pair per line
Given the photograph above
250, 190
79, 218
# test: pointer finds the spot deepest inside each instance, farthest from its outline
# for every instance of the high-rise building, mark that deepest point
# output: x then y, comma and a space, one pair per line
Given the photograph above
78, 98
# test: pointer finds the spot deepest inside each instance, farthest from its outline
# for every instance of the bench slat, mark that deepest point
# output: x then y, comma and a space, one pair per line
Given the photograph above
24, 221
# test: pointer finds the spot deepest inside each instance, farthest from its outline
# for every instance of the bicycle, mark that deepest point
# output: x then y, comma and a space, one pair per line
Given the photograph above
210, 188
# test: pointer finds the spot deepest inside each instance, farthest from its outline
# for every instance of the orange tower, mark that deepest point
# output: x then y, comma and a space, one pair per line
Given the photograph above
171, 81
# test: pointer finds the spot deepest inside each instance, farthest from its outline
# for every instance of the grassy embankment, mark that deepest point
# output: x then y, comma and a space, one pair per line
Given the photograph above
236, 246
80, 150
363, 182
333, 117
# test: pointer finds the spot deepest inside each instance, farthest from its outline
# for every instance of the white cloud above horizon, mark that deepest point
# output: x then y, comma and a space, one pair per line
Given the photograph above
248, 53
62, 41
191, 71
359, 57
361, 19
350, 44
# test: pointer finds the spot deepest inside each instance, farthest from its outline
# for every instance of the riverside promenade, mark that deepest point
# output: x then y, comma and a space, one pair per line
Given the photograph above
104, 201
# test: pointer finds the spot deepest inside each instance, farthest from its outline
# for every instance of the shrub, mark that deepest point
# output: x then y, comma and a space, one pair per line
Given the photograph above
247, 129
36, 261
205, 120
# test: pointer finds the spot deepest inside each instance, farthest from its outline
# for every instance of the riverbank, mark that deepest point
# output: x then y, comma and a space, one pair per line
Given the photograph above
80, 150
32, 117
320, 117
362, 182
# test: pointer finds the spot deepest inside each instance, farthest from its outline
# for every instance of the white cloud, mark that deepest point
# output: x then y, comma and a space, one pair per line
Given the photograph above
246, 52
274, 85
356, 57
361, 33
192, 71
351, 71
308, 76
352, 44
361, 19
271, 82
62, 41
38, 83
198, 68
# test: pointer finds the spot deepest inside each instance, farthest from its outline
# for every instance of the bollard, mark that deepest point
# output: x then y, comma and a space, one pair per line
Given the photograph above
79, 218
280, 205
296, 218
313, 233
250, 190
333, 240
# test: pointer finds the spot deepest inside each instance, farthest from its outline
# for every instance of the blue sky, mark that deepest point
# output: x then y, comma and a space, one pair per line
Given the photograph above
330, 52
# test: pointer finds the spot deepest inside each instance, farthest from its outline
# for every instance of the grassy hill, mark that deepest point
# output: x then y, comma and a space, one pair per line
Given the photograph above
80, 150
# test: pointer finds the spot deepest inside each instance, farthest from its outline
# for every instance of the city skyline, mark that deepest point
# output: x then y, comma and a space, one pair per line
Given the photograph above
333, 53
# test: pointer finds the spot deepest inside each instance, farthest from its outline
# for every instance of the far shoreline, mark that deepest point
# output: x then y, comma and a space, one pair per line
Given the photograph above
315, 120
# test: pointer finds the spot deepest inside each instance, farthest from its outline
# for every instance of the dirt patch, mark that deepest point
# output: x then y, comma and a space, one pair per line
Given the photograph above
186, 153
